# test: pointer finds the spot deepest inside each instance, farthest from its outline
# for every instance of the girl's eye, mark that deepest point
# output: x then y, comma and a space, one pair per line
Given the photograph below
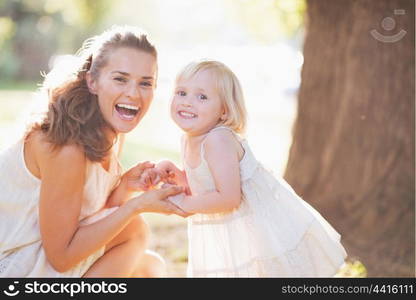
181, 93
120, 79
202, 97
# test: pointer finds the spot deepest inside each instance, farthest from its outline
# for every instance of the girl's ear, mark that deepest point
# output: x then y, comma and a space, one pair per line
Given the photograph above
91, 83
224, 114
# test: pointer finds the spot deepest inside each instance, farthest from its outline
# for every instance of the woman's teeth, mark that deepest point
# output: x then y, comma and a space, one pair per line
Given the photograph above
186, 114
127, 111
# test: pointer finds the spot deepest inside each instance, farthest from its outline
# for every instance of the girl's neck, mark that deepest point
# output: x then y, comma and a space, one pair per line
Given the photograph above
196, 138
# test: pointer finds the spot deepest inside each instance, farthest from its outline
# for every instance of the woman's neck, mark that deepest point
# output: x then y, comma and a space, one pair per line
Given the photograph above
111, 135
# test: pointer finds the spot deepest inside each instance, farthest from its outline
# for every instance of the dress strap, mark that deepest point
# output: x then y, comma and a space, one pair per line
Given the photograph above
202, 151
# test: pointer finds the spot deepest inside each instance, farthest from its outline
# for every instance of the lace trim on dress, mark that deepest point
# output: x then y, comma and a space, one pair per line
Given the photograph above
5, 262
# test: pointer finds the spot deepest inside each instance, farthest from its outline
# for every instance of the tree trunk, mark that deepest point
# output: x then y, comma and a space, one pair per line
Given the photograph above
352, 155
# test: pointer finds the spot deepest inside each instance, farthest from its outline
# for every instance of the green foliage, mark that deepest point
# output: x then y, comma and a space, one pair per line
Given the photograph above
31, 32
353, 268
268, 20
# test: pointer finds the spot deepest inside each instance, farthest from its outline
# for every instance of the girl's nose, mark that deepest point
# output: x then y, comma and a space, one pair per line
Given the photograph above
186, 101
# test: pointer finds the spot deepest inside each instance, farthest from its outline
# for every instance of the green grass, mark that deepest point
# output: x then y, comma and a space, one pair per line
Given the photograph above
135, 152
353, 268
18, 86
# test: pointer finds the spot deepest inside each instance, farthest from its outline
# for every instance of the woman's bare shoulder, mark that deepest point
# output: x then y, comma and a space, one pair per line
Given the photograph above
44, 155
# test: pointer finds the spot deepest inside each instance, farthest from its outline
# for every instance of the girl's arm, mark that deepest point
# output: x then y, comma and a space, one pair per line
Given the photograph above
66, 243
222, 156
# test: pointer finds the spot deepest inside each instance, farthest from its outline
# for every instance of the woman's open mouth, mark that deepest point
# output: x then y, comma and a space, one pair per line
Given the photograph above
127, 111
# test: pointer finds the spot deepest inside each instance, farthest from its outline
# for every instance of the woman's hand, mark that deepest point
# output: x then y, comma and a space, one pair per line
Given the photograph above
156, 201
137, 178
131, 182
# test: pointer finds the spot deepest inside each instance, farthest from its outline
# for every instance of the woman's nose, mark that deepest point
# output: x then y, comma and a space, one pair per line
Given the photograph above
133, 91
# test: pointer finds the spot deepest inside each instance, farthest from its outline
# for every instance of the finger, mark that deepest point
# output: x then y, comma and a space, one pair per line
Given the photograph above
170, 191
180, 212
166, 185
139, 186
141, 167
156, 179
171, 181
177, 210
146, 179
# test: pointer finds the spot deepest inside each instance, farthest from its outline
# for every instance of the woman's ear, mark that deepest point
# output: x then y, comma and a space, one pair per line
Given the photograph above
91, 83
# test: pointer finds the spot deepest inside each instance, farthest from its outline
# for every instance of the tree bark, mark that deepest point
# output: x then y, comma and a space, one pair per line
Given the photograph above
352, 155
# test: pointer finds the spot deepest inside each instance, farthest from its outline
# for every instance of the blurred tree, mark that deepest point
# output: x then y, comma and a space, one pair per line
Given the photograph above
352, 155
32, 31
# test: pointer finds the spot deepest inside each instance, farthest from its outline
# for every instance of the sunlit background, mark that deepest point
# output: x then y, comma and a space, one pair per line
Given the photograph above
261, 41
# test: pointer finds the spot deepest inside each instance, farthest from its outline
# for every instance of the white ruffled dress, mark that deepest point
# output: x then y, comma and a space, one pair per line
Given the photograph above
273, 233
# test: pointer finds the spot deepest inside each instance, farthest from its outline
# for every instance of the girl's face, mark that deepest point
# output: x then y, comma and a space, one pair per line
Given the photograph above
196, 105
125, 87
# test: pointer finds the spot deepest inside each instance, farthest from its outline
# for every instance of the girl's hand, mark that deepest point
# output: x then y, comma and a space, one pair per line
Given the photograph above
149, 179
166, 171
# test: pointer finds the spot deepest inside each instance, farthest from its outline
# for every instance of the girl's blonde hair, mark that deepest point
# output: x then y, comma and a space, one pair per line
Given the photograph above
228, 87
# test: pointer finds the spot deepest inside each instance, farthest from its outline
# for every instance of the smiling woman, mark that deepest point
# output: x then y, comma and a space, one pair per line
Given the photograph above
71, 213
125, 87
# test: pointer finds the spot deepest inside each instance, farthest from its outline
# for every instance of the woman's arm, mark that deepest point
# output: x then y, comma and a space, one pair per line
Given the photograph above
222, 157
66, 243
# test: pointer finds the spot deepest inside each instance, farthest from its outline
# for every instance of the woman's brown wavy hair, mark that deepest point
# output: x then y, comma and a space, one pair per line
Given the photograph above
73, 115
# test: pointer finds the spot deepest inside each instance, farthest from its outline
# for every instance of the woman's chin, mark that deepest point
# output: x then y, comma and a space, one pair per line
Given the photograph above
125, 127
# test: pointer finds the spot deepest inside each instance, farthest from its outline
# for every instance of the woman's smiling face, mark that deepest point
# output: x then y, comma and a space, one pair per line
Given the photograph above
125, 87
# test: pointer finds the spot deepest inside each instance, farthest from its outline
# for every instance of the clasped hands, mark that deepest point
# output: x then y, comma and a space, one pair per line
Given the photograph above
148, 176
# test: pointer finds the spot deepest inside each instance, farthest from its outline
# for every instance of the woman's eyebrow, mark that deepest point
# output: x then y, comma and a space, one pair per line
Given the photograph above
121, 72
128, 74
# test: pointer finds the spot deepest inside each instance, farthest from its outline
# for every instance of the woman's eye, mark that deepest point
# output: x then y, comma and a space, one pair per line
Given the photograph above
202, 97
181, 93
146, 84
120, 79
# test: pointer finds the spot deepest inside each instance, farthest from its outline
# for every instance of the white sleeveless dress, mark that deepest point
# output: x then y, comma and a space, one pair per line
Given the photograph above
21, 251
273, 233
